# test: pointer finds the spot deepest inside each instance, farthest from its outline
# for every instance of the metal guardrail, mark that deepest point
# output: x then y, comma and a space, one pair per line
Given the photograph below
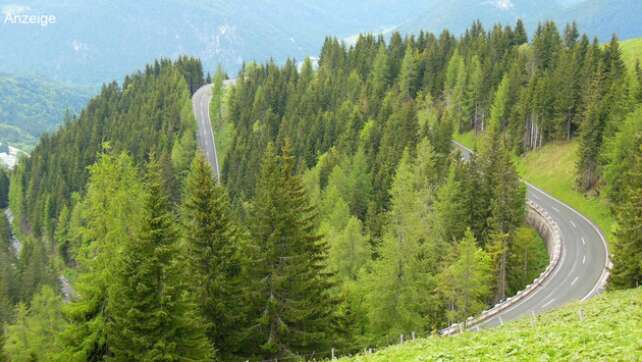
555, 252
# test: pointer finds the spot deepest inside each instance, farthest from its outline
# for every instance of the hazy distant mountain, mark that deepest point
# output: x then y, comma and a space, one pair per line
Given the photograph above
100, 40
602, 18
599, 18
30, 106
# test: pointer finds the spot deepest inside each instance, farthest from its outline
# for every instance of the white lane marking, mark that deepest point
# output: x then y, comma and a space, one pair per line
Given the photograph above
584, 260
573, 224
574, 281
501, 321
548, 303
556, 209
583, 241
600, 281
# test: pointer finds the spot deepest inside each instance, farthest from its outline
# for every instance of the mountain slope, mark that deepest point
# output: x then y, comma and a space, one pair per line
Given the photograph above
606, 327
94, 42
30, 106
599, 18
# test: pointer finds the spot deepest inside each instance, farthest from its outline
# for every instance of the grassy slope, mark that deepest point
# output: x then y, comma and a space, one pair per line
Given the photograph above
553, 170
632, 51
611, 329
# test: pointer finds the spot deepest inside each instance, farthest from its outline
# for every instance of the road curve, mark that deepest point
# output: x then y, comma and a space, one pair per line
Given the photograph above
582, 269
201, 108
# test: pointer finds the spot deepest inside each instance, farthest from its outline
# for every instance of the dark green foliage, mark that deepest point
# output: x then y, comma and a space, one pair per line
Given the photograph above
152, 316
211, 257
150, 111
627, 250
293, 312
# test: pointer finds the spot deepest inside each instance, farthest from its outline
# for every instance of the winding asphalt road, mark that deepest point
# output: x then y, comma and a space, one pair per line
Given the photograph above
581, 271
579, 275
201, 109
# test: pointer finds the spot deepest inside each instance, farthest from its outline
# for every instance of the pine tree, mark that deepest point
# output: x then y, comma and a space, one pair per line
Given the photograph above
211, 248
473, 96
152, 317
507, 213
449, 220
409, 74
293, 309
499, 109
619, 158
400, 288
591, 132
627, 251
465, 282
520, 35
111, 213
33, 335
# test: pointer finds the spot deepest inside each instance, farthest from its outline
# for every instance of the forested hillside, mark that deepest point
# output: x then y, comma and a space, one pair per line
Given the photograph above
344, 218
31, 106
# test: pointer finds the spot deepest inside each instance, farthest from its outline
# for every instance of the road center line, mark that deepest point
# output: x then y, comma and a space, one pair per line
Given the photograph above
583, 241
573, 224
574, 281
556, 209
584, 260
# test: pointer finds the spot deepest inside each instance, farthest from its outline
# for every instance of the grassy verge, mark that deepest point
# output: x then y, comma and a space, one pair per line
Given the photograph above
632, 51
552, 169
605, 328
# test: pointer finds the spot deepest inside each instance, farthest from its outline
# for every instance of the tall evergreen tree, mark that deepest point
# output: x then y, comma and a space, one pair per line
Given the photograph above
627, 251
111, 214
211, 258
293, 309
152, 317
465, 283
400, 287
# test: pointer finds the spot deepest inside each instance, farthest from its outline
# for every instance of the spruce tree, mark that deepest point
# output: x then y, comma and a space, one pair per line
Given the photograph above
152, 318
465, 282
627, 250
591, 136
294, 313
111, 213
210, 248
400, 287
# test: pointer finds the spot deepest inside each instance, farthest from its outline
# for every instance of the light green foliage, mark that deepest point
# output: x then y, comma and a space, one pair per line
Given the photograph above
608, 330
347, 246
400, 288
151, 317
111, 213
449, 219
527, 259
33, 335
465, 283
498, 111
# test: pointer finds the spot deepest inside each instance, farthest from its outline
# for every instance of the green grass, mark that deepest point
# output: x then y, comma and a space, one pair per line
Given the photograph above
552, 169
610, 330
467, 139
632, 51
